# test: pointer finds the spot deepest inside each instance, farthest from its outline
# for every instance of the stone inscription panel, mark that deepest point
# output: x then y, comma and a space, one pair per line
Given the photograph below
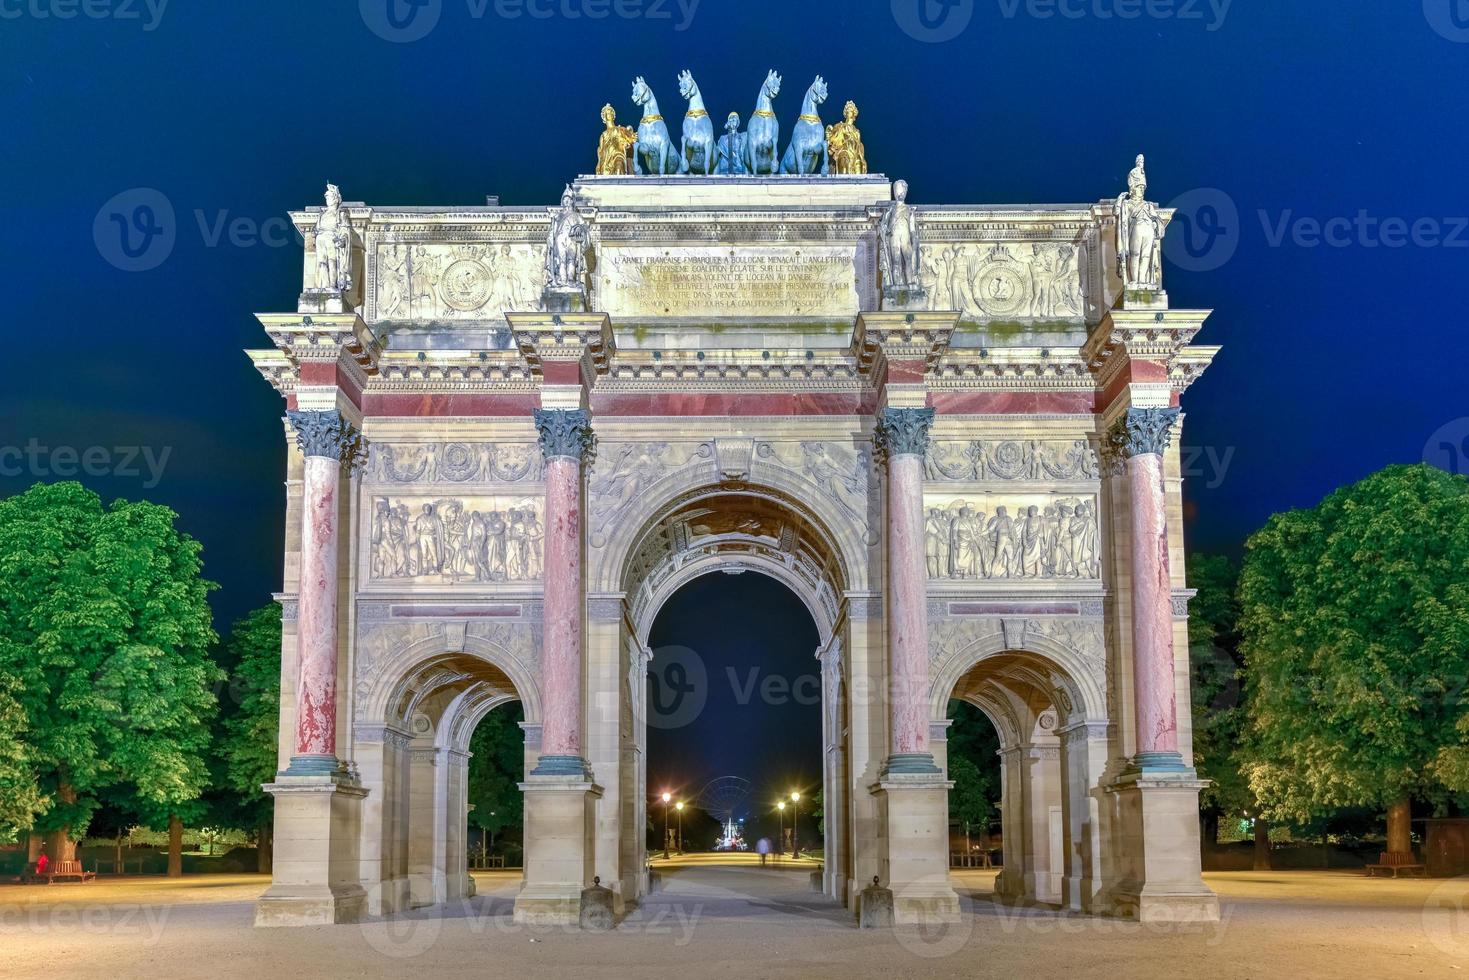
723, 281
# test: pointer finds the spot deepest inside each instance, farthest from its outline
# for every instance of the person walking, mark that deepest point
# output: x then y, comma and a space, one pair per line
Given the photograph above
762, 847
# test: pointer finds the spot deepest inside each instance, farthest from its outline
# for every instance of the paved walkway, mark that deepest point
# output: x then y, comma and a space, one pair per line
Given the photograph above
716, 920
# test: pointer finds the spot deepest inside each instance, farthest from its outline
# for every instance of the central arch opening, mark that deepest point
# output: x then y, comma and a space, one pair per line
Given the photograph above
734, 723
735, 629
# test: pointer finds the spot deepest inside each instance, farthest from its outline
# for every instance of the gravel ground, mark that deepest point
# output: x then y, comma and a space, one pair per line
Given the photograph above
720, 921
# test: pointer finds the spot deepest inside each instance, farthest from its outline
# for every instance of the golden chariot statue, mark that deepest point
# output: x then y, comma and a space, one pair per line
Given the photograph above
614, 150
844, 144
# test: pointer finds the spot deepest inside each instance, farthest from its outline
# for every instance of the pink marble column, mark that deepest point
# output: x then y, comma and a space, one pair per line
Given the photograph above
902, 434
327, 441
1141, 436
565, 438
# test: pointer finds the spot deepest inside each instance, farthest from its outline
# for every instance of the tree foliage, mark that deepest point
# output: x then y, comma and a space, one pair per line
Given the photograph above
1355, 633
104, 670
1216, 669
248, 740
496, 768
973, 766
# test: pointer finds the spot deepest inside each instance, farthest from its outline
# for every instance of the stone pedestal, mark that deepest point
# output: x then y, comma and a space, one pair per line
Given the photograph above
323, 301
904, 298
913, 809
559, 854
564, 299
315, 879
1160, 877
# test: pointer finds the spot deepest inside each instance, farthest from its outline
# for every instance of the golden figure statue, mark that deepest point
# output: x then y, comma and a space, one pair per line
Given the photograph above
614, 150
844, 144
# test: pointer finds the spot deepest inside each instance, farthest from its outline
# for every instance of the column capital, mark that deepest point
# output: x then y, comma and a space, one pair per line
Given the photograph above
1140, 431
327, 433
903, 431
564, 432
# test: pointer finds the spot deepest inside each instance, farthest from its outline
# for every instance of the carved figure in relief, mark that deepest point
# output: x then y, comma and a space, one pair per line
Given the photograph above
614, 149
696, 140
731, 150
844, 143
333, 245
847, 488
936, 543
654, 152
428, 533
1058, 540
806, 152
1139, 233
531, 557
763, 134
393, 275
424, 279
898, 234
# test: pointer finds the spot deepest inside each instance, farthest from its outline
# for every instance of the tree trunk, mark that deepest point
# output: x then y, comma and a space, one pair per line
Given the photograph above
1262, 844
1208, 833
175, 847
118, 866
59, 845
1399, 828
263, 855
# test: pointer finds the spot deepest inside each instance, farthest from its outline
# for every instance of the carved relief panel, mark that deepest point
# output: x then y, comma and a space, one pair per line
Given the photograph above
1036, 280
453, 541
993, 536
456, 280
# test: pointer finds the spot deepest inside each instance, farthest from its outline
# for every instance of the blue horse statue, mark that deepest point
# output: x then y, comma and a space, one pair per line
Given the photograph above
806, 153
653, 152
696, 142
762, 136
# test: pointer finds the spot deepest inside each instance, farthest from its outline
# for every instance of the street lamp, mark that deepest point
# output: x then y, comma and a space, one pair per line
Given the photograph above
666, 798
795, 825
780, 839
679, 807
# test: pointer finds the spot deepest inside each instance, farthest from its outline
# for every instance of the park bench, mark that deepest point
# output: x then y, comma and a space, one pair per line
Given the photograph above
1391, 864
59, 870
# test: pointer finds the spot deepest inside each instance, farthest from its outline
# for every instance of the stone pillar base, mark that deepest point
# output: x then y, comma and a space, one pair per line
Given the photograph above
1160, 877
315, 871
913, 810
559, 820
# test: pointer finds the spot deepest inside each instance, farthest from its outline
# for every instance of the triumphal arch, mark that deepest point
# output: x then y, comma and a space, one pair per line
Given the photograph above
950, 429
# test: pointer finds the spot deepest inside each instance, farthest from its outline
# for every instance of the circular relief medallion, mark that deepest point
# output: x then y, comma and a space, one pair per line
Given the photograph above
1001, 289
465, 285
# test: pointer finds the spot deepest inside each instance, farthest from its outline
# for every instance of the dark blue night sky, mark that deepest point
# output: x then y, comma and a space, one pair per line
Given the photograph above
1339, 358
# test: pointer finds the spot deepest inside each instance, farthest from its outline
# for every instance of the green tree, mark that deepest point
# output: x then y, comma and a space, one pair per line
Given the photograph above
1355, 626
104, 639
974, 768
250, 724
496, 767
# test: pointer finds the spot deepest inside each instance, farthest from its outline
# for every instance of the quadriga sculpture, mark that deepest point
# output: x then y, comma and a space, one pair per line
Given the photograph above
806, 153
654, 152
762, 150
696, 144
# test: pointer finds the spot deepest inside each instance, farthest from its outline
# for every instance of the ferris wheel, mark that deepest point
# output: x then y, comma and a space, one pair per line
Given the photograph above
722, 796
